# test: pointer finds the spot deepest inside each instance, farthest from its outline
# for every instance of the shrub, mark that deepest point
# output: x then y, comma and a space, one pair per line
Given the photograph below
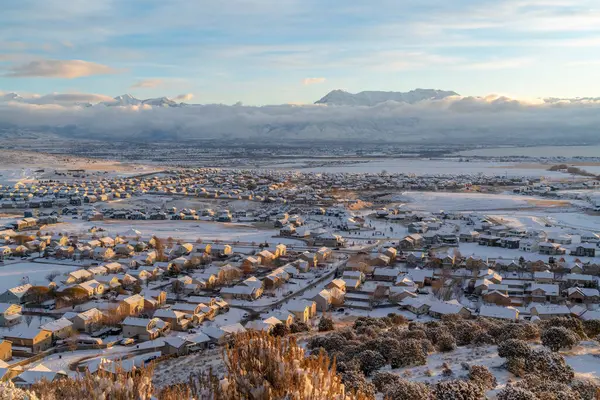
325, 324
546, 363
513, 348
297, 327
370, 361
515, 393
457, 389
331, 342
482, 376
383, 379
573, 324
484, 339
592, 327
355, 381
407, 390
397, 319
446, 343
546, 387
409, 352
280, 330
559, 337
587, 389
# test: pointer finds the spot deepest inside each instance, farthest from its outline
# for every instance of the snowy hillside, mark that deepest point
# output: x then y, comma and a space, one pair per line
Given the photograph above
371, 98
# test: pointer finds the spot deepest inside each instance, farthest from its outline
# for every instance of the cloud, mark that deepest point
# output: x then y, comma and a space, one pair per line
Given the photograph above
68, 69
454, 120
312, 81
184, 97
147, 83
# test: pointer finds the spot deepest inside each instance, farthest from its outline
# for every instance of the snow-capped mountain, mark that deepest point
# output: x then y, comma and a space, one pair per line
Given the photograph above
124, 100
129, 100
10, 97
371, 98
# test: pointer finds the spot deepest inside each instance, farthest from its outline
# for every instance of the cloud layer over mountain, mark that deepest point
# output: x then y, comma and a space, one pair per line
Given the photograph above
453, 119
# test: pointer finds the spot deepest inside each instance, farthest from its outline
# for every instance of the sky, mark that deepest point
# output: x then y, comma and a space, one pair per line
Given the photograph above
295, 51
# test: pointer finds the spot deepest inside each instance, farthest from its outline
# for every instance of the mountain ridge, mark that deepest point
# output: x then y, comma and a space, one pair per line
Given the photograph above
373, 97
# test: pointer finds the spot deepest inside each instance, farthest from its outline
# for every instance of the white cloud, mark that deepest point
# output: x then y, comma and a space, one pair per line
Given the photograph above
68, 69
147, 83
184, 97
484, 120
312, 81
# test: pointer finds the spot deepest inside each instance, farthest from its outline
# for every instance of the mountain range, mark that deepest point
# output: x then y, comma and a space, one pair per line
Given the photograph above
371, 98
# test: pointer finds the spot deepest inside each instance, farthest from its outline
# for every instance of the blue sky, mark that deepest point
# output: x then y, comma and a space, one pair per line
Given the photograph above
288, 51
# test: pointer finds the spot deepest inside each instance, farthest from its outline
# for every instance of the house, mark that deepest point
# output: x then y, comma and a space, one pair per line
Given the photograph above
103, 253
250, 264
36, 374
416, 305
542, 292
469, 237
92, 287
489, 240
583, 295
35, 340
220, 250
543, 276
144, 329
303, 310
241, 292
10, 314
585, 250
176, 319
77, 276
337, 283
550, 311
132, 305
175, 345
399, 293
452, 307
221, 334
265, 257
5, 351
497, 297
506, 313
60, 328
551, 249
510, 242
16, 295
529, 245
88, 321
386, 274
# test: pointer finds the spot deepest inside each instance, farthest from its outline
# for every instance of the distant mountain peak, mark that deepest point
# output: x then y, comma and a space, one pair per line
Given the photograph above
370, 98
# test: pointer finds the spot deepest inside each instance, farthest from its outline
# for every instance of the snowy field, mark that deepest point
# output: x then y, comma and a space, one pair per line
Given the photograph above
18, 273
436, 201
436, 167
186, 230
539, 151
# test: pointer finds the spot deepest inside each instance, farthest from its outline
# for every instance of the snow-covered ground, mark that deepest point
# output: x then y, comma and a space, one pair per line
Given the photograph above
19, 273
420, 166
186, 230
436, 201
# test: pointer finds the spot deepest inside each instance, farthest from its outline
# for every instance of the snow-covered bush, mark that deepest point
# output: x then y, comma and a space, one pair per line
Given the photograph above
325, 324
457, 389
559, 337
330, 343
370, 361
407, 390
446, 343
409, 352
355, 381
592, 327
546, 363
484, 339
512, 348
482, 376
515, 393
586, 389
383, 379
573, 324
280, 330
297, 327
